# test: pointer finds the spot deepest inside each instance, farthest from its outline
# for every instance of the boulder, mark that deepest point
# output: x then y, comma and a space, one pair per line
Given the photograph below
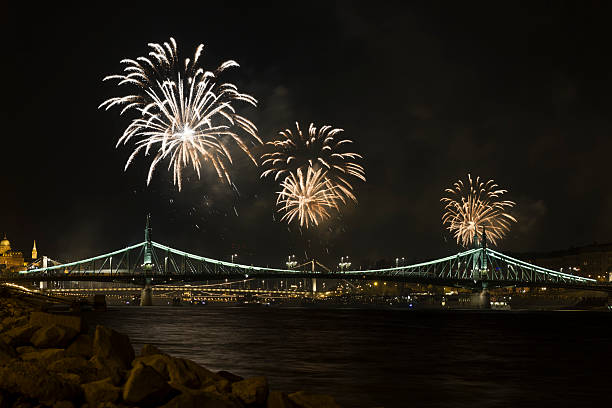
74, 379
113, 346
7, 353
145, 386
10, 322
26, 349
108, 368
201, 399
278, 399
84, 369
305, 399
70, 365
149, 350
252, 390
81, 346
223, 386
63, 404
22, 402
33, 381
53, 336
19, 336
44, 357
48, 319
179, 371
231, 377
97, 392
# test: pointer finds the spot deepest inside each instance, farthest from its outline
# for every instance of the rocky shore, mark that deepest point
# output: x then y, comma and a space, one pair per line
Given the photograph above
55, 360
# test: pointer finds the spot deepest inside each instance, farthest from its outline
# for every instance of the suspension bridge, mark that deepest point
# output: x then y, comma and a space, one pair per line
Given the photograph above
150, 263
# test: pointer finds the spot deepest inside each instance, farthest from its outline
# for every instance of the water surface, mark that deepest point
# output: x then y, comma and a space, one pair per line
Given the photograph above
391, 358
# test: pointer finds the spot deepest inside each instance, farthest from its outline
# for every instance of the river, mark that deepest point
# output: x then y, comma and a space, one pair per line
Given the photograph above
391, 357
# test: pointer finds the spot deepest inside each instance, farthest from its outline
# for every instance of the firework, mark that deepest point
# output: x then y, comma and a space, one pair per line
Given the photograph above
317, 149
307, 196
475, 207
185, 115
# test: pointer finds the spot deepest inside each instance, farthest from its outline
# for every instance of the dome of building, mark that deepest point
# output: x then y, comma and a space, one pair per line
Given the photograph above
5, 245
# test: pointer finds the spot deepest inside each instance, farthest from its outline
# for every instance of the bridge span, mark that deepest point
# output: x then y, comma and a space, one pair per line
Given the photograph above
151, 263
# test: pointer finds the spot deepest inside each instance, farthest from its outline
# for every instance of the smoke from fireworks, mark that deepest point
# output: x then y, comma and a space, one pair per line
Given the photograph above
185, 115
471, 207
319, 149
307, 196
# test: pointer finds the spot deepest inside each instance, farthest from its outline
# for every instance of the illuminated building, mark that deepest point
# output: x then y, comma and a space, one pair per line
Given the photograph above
10, 260
590, 261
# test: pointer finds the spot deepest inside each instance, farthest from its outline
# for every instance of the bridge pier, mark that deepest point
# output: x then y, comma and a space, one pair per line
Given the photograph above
481, 299
146, 295
314, 286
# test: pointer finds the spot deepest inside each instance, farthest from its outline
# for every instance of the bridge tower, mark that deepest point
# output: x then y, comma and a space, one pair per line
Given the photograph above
480, 298
146, 296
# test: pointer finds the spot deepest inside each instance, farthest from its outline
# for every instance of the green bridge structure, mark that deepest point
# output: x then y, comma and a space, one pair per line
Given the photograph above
151, 263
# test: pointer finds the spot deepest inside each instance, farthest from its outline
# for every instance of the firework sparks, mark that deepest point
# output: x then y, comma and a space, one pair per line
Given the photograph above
470, 208
317, 149
185, 115
307, 196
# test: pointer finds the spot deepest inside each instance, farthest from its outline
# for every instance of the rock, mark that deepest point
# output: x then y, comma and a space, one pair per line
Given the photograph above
231, 377
4, 400
33, 381
107, 405
22, 402
149, 350
201, 399
63, 404
81, 346
305, 399
145, 386
19, 336
113, 346
101, 391
48, 319
108, 368
278, 399
70, 365
223, 386
53, 336
46, 356
179, 371
26, 349
71, 378
10, 322
7, 353
252, 390
84, 369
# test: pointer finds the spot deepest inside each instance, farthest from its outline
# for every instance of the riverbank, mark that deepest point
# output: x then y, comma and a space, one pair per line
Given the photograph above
55, 360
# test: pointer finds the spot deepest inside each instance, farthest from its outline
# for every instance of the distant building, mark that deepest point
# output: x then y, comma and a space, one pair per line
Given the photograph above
590, 261
10, 260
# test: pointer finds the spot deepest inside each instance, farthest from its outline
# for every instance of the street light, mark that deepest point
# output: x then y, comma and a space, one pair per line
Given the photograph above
291, 262
344, 263
234, 256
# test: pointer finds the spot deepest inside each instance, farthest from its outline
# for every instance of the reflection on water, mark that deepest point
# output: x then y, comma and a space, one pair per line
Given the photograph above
391, 358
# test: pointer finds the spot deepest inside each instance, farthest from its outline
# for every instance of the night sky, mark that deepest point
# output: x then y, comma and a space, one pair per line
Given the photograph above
514, 91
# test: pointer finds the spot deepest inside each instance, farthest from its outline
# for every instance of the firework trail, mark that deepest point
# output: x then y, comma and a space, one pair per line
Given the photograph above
307, 196
185, 115
316, 149
476, 205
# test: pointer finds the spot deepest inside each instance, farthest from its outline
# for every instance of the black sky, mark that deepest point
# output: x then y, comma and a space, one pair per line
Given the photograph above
514, 91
